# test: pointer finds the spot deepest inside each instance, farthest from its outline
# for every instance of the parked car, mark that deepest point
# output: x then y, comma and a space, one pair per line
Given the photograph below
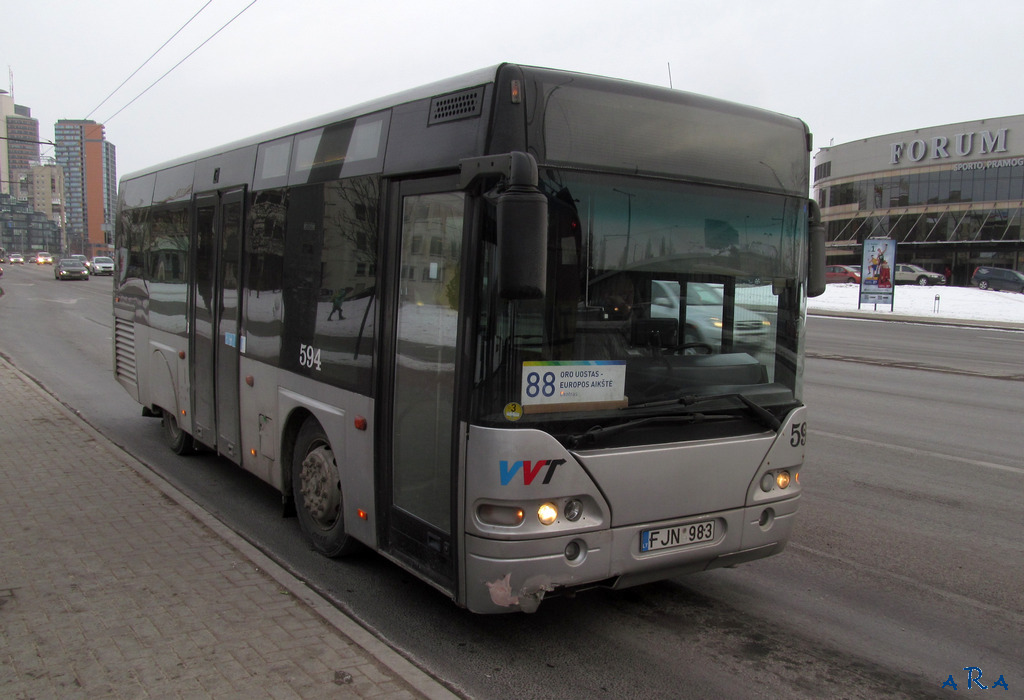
842, 273
16, 259
102, 265
915, 274
44, 259
998, 278
70, 269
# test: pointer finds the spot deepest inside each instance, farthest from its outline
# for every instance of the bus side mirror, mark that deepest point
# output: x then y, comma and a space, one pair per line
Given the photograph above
815, 251
522, 211
522, 243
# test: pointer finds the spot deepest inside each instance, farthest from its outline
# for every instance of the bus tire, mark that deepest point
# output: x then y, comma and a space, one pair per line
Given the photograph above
316, 489
177, 439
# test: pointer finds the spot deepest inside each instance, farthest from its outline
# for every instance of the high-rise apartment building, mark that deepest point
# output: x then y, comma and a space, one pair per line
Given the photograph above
90, 184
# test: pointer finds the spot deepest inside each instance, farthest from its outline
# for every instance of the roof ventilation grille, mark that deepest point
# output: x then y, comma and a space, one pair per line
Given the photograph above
457, 105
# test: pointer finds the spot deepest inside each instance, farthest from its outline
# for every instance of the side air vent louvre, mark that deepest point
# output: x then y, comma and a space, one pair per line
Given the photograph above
124, 351
457, 105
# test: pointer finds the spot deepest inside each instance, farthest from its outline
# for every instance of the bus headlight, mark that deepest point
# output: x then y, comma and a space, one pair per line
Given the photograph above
547, 514
779, 480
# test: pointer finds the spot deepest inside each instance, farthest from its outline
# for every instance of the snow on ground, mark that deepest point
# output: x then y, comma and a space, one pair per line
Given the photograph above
910, 300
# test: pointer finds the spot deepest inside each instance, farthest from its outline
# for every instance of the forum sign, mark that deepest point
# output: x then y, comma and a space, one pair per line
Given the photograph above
971, 143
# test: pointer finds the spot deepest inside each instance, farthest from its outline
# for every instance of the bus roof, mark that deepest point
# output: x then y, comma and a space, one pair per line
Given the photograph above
727, 123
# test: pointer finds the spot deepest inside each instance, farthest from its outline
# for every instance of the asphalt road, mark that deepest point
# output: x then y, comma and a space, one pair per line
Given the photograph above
904, 569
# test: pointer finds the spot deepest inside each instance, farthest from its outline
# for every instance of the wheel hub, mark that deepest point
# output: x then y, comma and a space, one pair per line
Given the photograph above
319, 486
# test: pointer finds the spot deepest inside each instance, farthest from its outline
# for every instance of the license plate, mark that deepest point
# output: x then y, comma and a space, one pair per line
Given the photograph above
676, 536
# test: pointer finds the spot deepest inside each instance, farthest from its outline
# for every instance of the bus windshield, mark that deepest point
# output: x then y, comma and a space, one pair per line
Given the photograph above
656, 291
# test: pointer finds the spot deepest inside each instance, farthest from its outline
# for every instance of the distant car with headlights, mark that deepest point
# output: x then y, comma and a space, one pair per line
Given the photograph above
915, 274
84, 260
16, 259
102, 265
70, 269
842, 274
44, 259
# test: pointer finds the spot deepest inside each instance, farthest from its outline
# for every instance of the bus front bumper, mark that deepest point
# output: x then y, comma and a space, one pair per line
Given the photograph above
515, 575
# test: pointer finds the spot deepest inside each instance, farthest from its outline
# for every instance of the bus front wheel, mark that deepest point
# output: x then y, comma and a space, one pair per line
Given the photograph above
177, 439
316, 488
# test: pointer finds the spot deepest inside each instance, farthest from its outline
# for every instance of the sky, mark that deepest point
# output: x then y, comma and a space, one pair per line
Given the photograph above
851, 70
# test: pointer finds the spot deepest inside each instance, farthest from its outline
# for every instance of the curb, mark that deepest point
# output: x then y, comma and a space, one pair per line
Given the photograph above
899, 318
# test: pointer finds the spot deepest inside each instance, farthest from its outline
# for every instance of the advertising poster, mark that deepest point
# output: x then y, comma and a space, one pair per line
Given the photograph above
876, 280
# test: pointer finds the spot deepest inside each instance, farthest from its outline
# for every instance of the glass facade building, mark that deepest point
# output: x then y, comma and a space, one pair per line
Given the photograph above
950, 196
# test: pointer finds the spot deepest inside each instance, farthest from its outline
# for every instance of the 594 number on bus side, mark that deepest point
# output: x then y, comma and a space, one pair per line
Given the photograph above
309, 357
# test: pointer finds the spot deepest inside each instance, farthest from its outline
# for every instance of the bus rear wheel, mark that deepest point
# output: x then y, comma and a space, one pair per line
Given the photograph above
316, 488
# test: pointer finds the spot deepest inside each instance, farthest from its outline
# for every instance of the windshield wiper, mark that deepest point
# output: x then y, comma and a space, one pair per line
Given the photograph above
762, 414
757, 412
592, 434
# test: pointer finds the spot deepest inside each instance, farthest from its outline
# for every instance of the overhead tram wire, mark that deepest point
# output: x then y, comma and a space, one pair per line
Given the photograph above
152, 56
206, 41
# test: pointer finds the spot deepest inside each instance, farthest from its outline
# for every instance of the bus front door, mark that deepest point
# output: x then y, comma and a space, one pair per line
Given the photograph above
214, 319
418, 436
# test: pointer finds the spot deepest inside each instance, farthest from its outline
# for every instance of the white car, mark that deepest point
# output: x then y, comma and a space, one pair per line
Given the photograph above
102, 266
914, 274
704, 306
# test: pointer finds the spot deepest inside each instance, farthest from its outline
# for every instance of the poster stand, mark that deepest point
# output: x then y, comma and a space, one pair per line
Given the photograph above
877, 284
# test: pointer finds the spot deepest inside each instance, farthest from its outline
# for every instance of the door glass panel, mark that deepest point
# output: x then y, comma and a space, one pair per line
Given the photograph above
203, 415
425, 355
227, 338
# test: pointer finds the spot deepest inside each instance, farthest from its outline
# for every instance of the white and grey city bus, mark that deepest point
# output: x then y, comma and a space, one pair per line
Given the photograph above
522, 332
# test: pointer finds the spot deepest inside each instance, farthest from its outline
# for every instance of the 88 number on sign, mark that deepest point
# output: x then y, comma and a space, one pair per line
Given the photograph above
538, 386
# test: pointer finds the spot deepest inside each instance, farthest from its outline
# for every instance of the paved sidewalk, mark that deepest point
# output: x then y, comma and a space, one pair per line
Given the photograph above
113, 584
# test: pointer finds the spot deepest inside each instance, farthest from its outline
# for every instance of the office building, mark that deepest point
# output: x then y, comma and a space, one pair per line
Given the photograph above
19, 142
950, 196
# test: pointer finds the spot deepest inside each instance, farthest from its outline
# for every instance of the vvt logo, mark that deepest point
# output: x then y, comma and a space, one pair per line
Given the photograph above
530, 470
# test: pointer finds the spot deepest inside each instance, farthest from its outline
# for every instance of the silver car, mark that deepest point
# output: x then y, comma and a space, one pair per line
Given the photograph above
102, 266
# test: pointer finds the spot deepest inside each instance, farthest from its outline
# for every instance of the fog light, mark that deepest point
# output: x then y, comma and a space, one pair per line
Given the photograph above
782, 479
767, 481
572, 550
547, 514
573, 510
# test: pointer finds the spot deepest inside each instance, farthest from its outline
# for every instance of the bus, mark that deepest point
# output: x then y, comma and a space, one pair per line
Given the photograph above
522, 332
